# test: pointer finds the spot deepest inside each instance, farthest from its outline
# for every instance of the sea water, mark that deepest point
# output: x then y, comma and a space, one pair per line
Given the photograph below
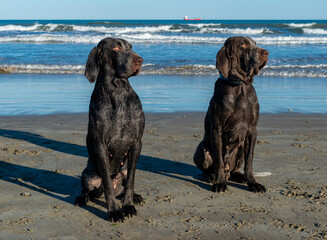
46, 59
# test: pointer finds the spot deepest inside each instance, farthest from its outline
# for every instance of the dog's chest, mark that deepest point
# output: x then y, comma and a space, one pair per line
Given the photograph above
116, 120
245, 107
125, 123
123, 130
240, 113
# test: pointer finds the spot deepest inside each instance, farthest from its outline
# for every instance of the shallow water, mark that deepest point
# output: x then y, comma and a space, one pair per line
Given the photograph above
35, 94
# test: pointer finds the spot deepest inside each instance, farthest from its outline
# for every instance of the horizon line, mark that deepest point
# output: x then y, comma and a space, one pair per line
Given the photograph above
138, 19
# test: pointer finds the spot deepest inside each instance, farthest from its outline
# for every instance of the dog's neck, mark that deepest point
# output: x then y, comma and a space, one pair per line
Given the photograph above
231, 82
112, 84
117, 82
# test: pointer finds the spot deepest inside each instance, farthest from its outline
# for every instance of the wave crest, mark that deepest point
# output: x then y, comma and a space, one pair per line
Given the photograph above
156, 38
309, 70
42, 68
300, 25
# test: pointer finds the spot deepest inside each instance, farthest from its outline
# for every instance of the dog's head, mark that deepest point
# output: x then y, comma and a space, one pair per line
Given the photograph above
240, 58
112, 57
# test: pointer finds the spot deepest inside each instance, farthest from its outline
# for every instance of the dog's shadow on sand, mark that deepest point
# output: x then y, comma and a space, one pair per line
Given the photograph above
66, 188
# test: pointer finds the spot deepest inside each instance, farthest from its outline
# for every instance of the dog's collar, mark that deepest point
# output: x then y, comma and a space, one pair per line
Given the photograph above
231, 82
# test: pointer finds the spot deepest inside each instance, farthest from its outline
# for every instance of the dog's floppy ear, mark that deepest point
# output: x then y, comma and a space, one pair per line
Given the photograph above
92, 66
222, 62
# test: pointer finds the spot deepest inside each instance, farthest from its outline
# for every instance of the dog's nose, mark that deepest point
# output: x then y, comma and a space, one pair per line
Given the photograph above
264, 53
138, 60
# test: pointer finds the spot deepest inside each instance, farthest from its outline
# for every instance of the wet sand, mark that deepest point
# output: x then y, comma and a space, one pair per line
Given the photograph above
42, 157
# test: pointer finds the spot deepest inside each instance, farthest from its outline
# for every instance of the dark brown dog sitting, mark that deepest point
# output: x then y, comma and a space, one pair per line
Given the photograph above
116, 125
232, 116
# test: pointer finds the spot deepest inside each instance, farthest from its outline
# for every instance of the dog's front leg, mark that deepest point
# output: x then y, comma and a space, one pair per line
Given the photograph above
254, 186
114, 212
219, 183
129, 196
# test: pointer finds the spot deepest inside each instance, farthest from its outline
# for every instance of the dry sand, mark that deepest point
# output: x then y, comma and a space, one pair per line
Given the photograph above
42, 157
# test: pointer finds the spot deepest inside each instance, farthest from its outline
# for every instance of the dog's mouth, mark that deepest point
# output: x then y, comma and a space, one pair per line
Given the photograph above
131, 73
262, 65
255, 70
136, 71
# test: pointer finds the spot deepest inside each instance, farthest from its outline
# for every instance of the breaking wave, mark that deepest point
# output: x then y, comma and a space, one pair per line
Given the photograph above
173, 28
149, 38
301, 25
209, 28
310, 71
316, 31
43, 68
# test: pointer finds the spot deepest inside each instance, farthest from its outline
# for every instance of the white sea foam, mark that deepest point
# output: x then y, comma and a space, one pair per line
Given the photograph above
43, 68
196, 69
302, 74
279, 40
202, 25
205, 28
121, 30
12, 27
290, 40
316, 31
53, 38
300, 25
288, 66
37, 27
288, 70
239, 31
51, 27
156, 38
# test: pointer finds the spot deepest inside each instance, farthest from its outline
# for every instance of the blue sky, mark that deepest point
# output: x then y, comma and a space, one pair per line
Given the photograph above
164, 9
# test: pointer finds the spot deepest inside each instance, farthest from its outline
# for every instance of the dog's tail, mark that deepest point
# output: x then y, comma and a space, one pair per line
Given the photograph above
262, 174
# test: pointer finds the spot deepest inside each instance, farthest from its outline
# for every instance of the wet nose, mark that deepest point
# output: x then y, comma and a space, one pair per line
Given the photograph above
138, 60
264, 53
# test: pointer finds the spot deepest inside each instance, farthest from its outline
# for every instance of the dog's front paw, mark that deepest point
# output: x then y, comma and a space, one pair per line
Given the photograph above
129, 210
137, 198
219, 187
116, 216
81, 201
256, 187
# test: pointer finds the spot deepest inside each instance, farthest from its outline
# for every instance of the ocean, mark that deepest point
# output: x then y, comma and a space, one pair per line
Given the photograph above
44, 61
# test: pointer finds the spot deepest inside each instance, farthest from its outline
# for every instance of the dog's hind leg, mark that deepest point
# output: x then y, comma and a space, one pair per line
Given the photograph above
203, 160
83, 199
198, 157
91, 186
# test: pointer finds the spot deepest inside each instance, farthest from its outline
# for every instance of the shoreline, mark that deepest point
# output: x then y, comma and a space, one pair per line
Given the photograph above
165, 114
47, 94
42, 157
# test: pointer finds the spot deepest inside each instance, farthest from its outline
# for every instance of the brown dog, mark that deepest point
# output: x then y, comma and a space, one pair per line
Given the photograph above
232, 116
116, 124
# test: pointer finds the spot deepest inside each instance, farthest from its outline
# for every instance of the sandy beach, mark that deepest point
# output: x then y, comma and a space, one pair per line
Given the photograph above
42, 157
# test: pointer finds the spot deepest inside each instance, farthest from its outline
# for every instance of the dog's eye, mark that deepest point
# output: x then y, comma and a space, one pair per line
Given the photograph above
116, 48
244, 45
